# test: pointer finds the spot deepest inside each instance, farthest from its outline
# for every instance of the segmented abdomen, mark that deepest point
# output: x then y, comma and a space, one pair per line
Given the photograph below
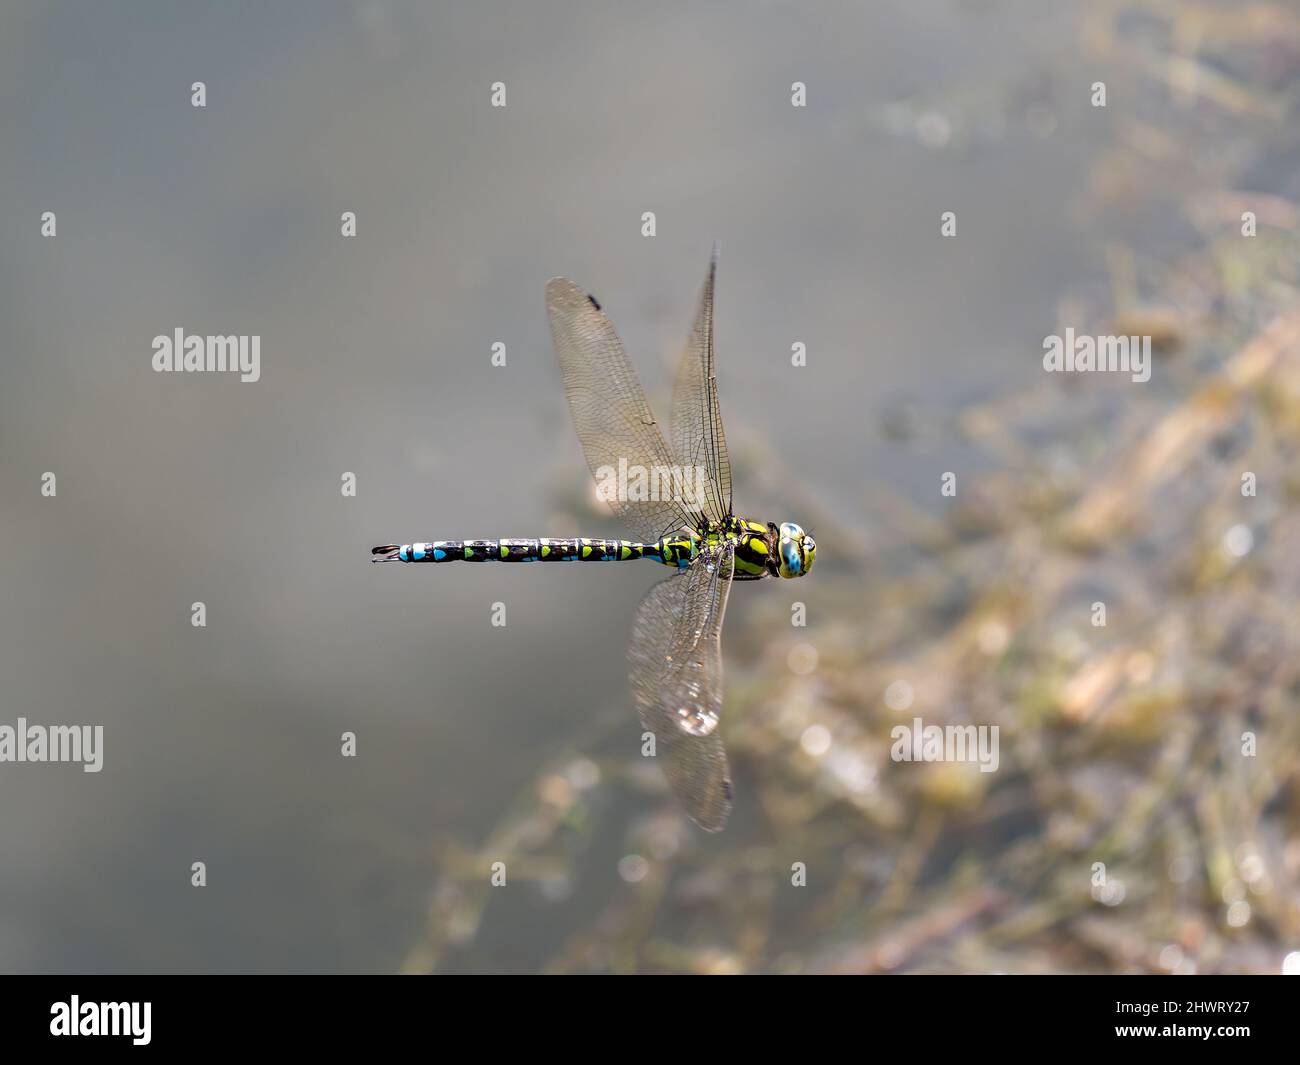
581, 549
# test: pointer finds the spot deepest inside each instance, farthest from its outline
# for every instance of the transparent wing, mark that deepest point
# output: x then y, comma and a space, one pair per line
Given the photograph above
608, 406
698, 439
676, 672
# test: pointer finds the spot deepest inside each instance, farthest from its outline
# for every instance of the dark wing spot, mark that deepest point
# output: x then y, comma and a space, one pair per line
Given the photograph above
593, 301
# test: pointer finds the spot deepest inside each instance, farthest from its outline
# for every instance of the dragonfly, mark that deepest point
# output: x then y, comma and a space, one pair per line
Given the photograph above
674, 501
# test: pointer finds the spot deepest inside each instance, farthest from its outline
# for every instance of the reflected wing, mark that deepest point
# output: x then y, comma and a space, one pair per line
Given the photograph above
698, 439
608, 406
676, 672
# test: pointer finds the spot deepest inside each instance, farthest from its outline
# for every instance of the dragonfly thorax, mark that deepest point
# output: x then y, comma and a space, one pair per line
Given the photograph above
758, 549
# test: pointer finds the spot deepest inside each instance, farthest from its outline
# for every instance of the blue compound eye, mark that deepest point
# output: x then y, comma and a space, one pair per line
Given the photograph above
789, 529
791, 564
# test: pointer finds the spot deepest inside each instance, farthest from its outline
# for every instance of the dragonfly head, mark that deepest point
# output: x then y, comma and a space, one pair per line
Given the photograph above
796, 551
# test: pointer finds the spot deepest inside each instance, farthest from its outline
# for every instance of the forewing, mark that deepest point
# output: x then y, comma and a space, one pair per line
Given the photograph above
676, 665
608, 406
698, 438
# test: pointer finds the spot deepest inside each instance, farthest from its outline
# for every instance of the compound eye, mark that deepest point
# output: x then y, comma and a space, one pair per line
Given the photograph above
791, 563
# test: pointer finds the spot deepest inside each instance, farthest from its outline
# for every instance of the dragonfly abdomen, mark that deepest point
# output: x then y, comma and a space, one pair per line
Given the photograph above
579, 549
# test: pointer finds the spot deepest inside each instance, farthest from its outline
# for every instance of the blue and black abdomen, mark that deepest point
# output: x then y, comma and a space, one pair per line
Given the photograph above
580, 549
